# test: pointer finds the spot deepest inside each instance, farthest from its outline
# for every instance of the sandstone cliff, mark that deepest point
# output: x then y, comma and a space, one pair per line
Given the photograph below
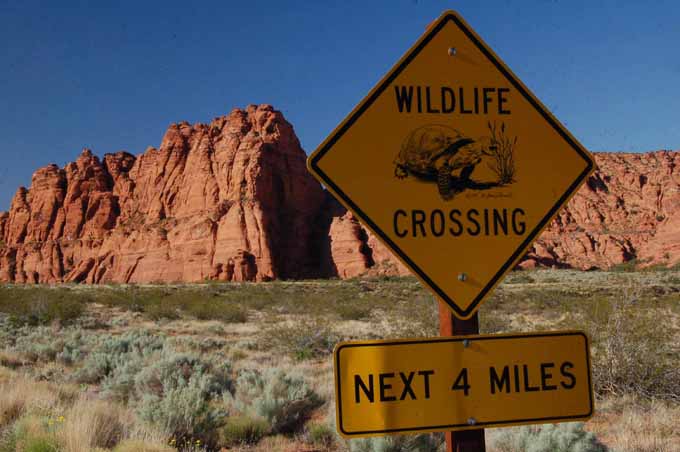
232, 201
229, 200
628, 210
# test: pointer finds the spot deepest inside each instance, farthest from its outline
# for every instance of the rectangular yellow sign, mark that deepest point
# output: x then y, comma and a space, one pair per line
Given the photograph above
459, 383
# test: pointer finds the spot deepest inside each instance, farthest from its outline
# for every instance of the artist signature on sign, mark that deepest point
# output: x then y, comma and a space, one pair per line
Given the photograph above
488, 195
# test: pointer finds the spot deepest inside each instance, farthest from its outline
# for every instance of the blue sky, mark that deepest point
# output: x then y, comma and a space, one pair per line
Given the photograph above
114, 75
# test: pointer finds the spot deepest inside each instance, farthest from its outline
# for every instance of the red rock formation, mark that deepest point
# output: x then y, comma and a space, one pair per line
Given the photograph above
230, 200
349, 249
233, 201
629, 209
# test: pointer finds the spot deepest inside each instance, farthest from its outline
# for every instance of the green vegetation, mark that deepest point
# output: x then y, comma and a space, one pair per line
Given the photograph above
354, 311
285, 400
247, 366
241, 430
401, 443
302, 340
628, 266
569, 437
321, 435
519, 278
631, 353
41, 306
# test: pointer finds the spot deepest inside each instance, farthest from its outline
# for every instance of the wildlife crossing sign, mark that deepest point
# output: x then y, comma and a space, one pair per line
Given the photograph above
453, 163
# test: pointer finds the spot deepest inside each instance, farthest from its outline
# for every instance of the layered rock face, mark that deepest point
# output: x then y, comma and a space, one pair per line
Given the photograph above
232, 201
628, 210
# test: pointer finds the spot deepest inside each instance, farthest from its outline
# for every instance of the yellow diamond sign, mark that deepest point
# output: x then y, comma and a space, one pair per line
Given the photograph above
453, 163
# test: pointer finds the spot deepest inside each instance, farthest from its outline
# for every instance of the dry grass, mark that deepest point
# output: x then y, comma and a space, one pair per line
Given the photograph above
89, 424
20, 396
134, 445
631, 425
293, 325
55, 414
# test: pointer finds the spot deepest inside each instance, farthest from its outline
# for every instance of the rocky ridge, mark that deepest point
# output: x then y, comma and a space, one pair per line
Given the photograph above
232, 201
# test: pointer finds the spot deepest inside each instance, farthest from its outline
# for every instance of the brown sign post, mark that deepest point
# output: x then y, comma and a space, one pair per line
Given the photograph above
450, 325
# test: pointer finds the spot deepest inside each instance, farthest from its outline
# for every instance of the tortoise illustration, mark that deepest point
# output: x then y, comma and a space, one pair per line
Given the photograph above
433, 153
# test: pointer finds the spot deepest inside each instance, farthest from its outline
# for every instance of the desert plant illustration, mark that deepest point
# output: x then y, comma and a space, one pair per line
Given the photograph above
501, 152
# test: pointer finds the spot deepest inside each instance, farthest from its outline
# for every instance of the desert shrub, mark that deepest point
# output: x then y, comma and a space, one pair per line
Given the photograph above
284, 399
8, 442
287, 299
211, 344
625, 267
631, 354
161, 311
21, 395
44, 344
218, 310
127, 298
39, 444
640, 425
90, 424
30, 434
306, 340
492, 322
36, 344
142, 446
215, 329
183, 408
241, 430
119, 383
417, 317
41, 306
672, 280
568, 437
519, 278
170, 391
173, 369
169, 303
254, 297
416, 443
175, 395
115, 354
155, 303
353, 311
320, 435
73, 348
206, 344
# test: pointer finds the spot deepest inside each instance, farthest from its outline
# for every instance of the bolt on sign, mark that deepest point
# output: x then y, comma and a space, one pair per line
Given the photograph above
400, 386
453, 163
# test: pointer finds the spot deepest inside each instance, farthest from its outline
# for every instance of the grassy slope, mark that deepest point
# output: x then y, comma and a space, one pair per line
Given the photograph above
47, 335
